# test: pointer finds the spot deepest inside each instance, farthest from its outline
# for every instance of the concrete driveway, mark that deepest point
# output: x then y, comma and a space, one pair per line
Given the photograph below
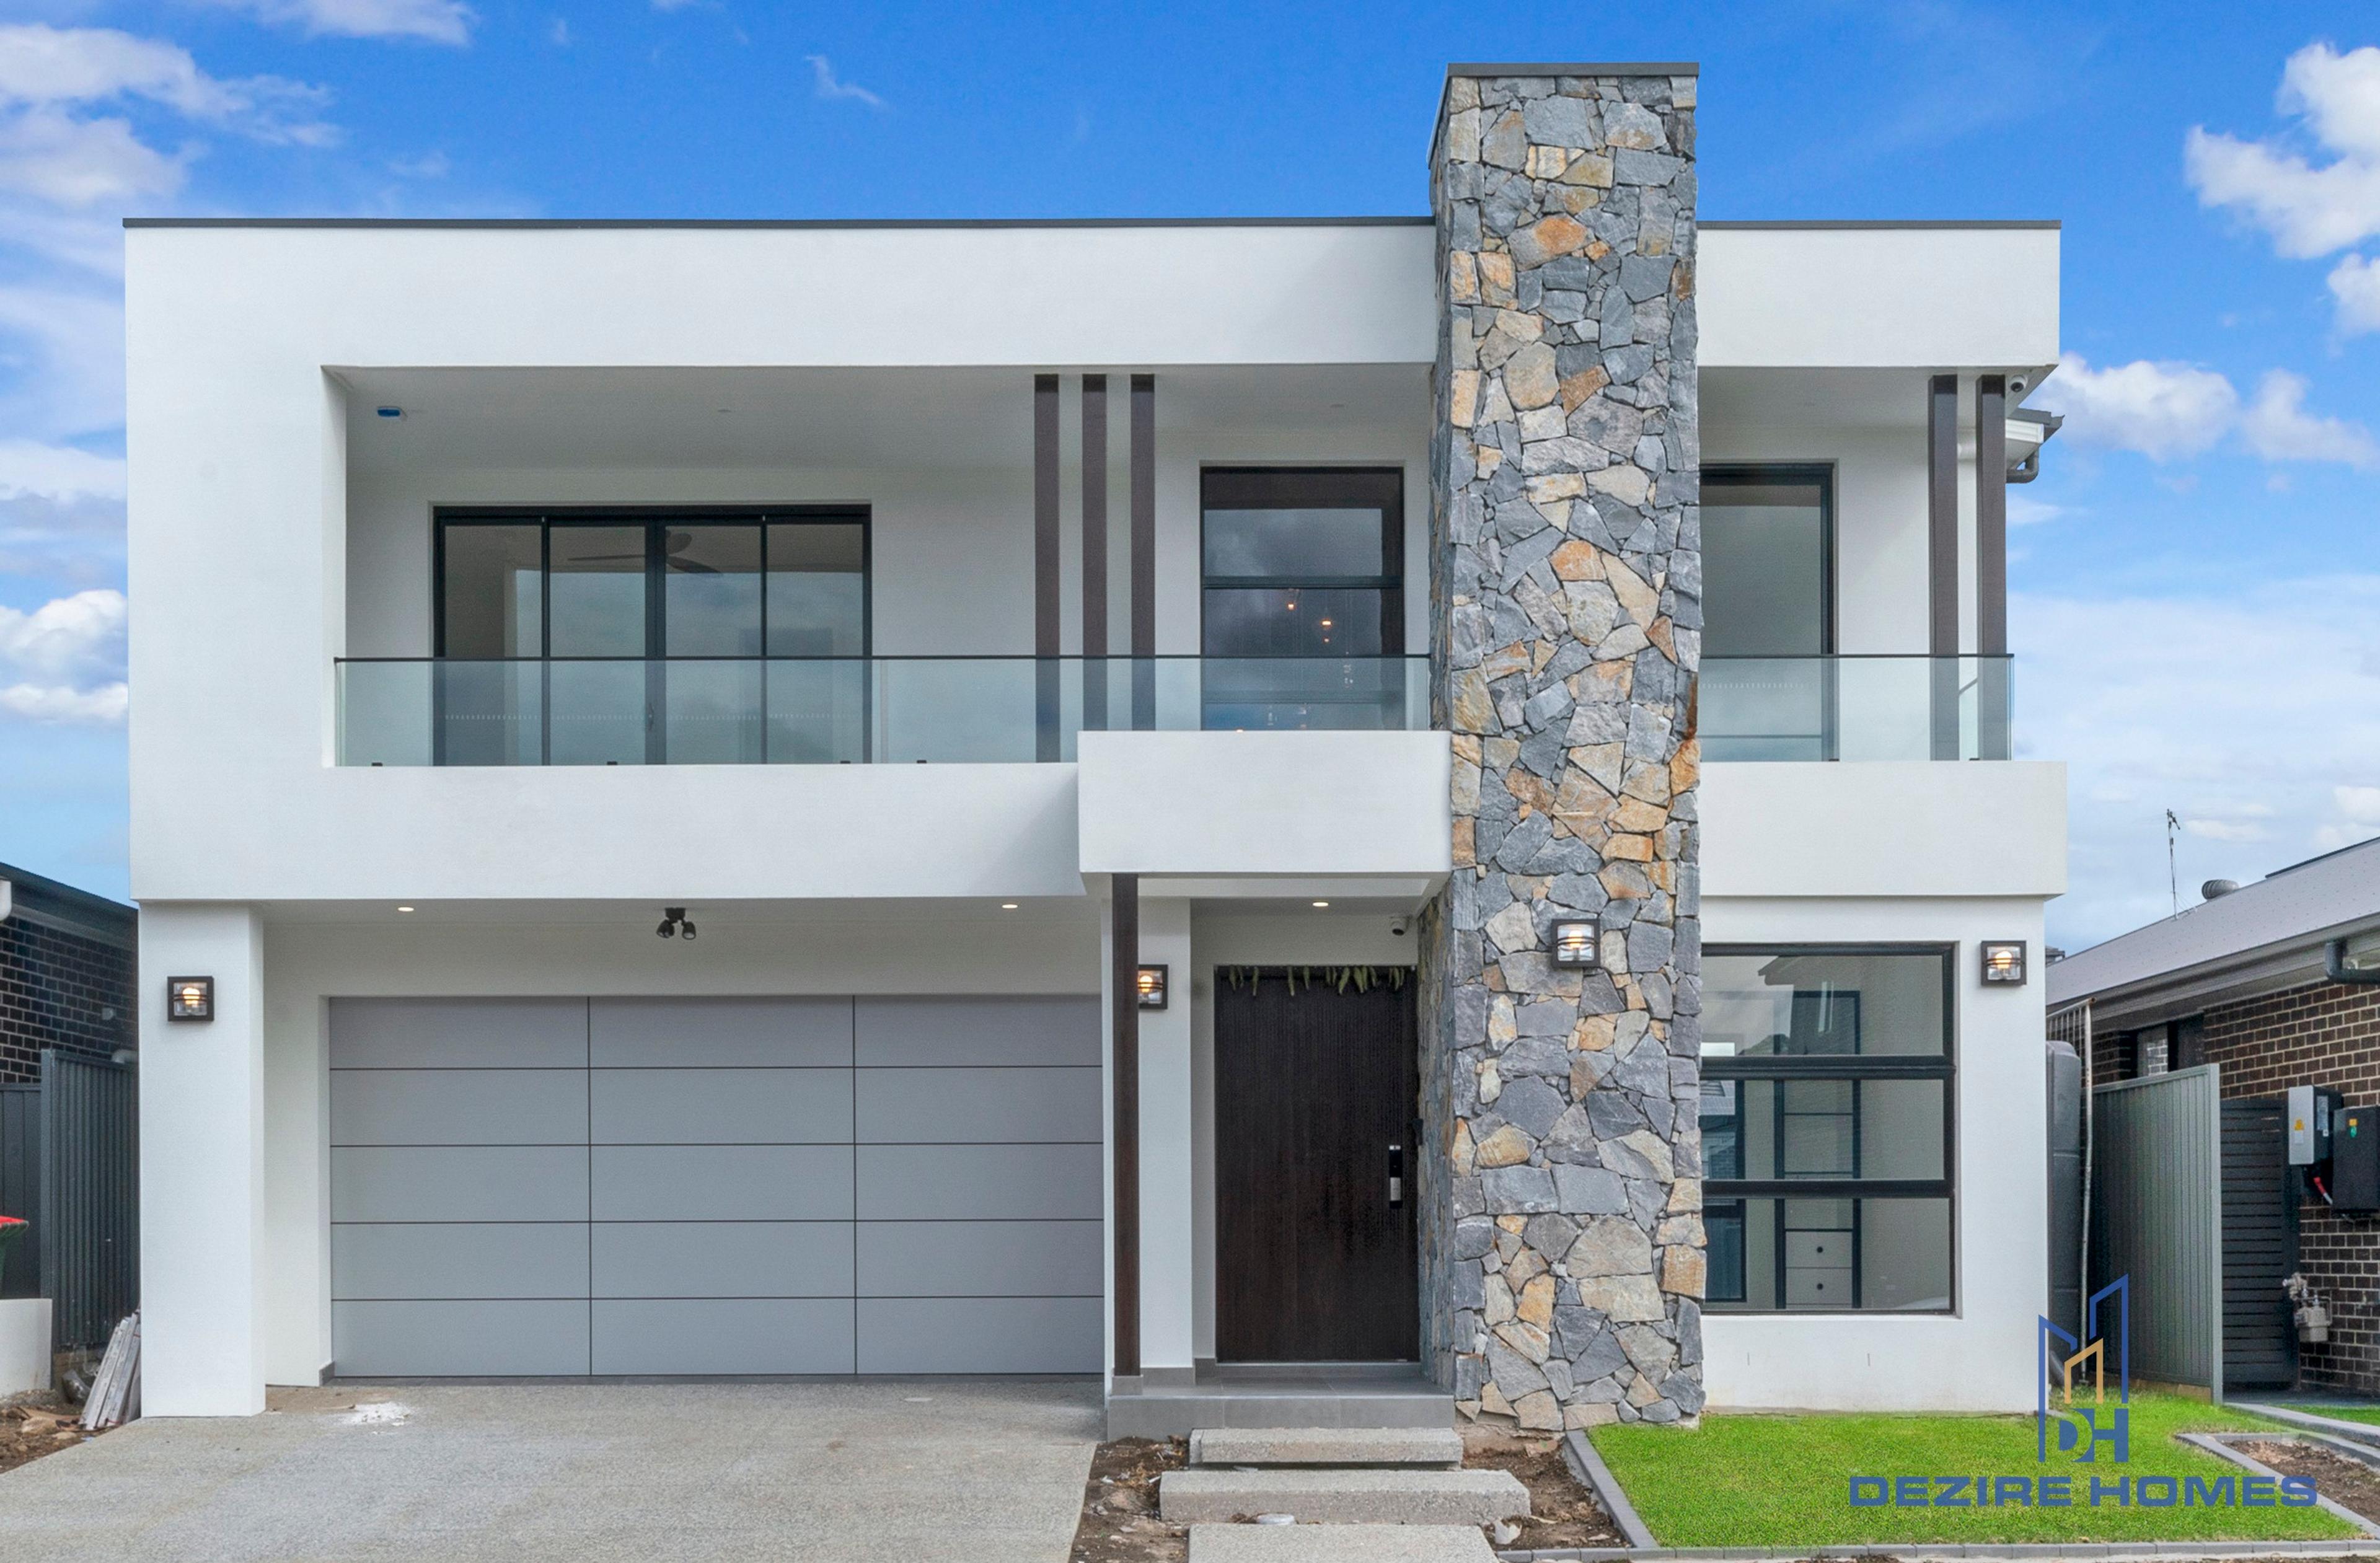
987, 1470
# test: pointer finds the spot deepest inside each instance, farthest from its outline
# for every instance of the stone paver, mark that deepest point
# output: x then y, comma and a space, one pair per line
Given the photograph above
1339, 1544
1326, 1445
1351, 1497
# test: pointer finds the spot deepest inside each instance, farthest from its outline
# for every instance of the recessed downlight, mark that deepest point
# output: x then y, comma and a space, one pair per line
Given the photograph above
1008, 907
405, 908
1321, 903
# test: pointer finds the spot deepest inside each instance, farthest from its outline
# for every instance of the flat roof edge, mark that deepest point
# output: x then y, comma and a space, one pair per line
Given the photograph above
1824, 224
1575, 68
795, 223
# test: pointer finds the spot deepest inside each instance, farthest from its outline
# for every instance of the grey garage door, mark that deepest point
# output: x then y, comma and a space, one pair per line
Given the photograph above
733, 1186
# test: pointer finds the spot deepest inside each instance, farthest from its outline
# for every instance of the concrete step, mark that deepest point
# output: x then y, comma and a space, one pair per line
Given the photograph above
1339, 1544
1440, 1447
1347, 1498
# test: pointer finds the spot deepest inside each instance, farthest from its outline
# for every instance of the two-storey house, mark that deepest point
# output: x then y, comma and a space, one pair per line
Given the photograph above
1317, 817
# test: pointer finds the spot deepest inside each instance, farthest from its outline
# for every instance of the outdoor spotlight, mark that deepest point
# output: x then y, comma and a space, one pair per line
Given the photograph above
2355, 960
191, 998
673, 923
2004, 962
1149, 987
1574, 943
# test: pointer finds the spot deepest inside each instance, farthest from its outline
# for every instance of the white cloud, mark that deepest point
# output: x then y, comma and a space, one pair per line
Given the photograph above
54, 67
2278, 427
80, 634
80, 162
2023, 510
832, 89
2309, 207
59, 473
104, 706
65, 349
2355, 290
2168, 411
2262, 705
439, 21
2162, 410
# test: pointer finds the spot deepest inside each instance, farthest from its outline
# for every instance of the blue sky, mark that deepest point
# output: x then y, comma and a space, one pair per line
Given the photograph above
2196, 582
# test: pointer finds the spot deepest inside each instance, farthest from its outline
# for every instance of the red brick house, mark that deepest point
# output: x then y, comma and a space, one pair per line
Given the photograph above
2250, 980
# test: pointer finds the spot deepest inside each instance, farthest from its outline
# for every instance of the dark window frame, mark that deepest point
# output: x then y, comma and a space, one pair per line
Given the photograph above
1259, 477
1881, 1066
656, 521
1747, 474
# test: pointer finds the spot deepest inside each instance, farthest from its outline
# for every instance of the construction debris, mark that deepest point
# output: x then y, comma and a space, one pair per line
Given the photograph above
115, 1396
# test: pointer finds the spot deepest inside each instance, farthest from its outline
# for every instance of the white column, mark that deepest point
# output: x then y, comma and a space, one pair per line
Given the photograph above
202, 1166
1168, 1273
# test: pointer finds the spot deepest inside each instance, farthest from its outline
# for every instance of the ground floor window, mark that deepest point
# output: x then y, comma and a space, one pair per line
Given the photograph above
1829, 1110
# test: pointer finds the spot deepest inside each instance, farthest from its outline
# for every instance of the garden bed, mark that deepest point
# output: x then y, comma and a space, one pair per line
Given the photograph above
34, 1425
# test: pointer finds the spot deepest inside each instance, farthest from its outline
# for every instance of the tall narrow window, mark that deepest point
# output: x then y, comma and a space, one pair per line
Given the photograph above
1826, 1115
1767, 614
1304, 568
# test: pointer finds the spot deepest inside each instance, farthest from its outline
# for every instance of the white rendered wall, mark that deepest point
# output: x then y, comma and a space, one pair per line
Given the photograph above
203, 1243
1874, 297
1979, 1358
1916, 827
853, 948
1168, 1231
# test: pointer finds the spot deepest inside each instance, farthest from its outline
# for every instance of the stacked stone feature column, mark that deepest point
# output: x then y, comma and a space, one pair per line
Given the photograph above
1562, 1235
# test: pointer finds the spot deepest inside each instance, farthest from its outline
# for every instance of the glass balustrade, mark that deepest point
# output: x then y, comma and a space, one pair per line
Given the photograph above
1853, 708
842, 711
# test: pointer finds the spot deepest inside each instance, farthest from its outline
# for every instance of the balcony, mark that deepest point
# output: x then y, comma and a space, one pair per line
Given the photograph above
841, 711
1853, 708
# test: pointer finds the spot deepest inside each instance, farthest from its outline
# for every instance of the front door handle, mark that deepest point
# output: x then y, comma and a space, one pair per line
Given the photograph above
1396, 1176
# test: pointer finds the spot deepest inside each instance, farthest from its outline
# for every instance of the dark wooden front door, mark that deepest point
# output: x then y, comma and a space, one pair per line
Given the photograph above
1315, 1098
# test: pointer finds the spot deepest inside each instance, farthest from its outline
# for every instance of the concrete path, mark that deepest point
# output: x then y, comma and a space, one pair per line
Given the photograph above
987, 1470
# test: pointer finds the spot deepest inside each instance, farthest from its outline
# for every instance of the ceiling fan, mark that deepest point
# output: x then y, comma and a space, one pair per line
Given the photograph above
678, 543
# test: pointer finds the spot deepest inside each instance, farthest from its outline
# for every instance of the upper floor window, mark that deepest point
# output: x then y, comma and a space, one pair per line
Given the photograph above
1768, 562
1827, 1103
1303, 562
628, 586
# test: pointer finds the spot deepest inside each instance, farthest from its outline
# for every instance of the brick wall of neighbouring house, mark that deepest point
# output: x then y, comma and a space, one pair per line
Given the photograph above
57, 990
2327, 1034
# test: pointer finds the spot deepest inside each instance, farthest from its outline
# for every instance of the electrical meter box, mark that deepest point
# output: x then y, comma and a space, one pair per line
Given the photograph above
2308, 1117
2355, 1158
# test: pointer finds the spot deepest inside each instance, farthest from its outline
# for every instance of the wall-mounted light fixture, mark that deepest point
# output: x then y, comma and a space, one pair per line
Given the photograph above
2004, 962
191, 998
675, 924
1574, 943
1149, 987
2353, 960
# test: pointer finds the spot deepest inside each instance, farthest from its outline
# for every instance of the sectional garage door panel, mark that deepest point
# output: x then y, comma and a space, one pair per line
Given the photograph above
458, 1034
981, 1258
981, 1335
483, 1339
913, 1032
452, 1262
981, 1105
979, 1183
725, 1337
721, 1033
457, 1182
460, 1107
722, 1184
734, 1186
694, 1106
723, 1259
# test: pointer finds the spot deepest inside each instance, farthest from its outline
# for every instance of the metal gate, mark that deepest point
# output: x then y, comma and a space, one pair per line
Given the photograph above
2260, 1246
71, 1164
2157, 1215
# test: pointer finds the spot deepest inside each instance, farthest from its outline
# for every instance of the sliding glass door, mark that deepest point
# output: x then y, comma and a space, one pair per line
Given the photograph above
605, 637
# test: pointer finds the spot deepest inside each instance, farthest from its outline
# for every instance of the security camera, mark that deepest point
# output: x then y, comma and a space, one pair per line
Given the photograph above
2017, 385
1399, 925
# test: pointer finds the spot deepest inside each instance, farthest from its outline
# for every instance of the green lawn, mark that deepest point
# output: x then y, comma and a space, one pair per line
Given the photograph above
2365, 1412
1785, 1481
